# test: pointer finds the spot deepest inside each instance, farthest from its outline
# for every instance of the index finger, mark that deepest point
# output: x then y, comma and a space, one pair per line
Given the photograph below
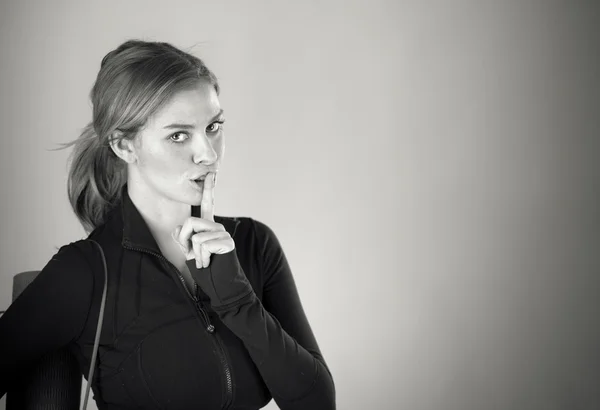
207, 210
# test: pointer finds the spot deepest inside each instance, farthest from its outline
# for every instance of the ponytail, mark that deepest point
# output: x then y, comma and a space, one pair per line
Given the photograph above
95, 180
134, 81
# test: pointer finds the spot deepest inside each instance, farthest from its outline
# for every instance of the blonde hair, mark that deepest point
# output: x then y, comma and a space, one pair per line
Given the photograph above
134, 81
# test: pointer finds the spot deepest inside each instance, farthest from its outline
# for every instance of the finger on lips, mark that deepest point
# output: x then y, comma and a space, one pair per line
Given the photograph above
208, 198
195, 231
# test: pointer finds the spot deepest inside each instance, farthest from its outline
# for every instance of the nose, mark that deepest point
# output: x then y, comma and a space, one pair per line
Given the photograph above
204, 151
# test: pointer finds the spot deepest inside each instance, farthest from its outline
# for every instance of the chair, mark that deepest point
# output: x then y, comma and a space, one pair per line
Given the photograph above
55, 382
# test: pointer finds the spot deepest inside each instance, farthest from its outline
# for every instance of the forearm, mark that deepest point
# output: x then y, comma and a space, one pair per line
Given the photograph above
296, 377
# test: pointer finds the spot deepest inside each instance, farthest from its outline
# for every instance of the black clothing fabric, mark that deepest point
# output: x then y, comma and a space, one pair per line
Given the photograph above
241, 340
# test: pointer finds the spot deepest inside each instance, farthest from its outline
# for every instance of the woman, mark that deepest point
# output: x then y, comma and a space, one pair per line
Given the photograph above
201, 310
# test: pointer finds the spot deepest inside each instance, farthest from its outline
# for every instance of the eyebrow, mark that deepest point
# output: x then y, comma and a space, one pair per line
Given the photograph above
191, 126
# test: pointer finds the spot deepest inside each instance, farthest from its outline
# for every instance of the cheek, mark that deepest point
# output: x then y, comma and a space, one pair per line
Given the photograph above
163, 161
219, 147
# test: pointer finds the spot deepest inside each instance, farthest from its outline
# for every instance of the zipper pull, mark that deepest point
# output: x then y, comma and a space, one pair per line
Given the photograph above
209, 326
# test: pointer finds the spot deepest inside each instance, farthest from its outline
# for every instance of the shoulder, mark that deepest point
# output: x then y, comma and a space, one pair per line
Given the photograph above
72, 253
265, 235
71, 264
67, 276
79, 252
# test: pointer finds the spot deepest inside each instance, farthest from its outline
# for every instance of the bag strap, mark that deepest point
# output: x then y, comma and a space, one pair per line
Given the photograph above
98, 329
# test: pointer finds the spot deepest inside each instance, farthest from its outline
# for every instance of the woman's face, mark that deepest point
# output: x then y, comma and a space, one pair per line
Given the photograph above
180, 142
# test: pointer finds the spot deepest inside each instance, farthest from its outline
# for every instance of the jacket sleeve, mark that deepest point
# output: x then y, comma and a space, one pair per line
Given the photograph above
276, 331
47, 315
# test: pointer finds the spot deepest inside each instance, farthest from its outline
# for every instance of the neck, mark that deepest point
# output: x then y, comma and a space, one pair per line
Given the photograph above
161, 214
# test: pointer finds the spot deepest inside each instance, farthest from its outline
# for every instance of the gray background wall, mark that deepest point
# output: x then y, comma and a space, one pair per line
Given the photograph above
429, 167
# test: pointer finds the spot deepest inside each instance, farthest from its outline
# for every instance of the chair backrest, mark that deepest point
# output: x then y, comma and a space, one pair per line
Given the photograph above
55, 381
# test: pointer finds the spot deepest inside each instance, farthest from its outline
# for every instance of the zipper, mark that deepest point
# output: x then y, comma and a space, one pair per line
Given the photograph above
209, 327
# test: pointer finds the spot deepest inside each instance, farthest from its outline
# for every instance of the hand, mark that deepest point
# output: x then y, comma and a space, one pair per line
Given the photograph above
205, 235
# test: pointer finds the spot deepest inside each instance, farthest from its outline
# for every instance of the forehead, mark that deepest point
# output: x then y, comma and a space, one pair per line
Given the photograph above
195, 105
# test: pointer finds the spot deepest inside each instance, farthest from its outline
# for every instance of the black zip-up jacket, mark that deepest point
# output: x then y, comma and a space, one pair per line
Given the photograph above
240, 341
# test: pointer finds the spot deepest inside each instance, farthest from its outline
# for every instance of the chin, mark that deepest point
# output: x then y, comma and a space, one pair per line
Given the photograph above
194, 197
191, 199
185, 195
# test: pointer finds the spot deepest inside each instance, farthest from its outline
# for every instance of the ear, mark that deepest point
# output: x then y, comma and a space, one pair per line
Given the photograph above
123, 148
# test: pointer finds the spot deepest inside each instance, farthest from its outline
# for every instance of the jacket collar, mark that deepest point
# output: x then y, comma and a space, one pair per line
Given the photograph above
135, 230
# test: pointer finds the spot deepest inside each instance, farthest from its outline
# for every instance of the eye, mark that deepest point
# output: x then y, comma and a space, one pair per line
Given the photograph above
178, 140
215, 127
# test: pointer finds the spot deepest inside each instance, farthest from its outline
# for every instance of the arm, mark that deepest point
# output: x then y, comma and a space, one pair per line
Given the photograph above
49, 314
276, 332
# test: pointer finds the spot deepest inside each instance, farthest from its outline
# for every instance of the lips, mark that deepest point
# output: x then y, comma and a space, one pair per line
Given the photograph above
200, 177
